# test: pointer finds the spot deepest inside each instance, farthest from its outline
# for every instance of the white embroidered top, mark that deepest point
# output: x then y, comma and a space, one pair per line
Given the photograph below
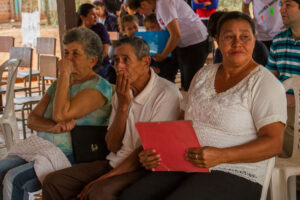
233, 117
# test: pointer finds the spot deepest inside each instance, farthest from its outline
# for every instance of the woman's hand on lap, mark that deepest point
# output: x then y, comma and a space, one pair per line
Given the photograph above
205, 157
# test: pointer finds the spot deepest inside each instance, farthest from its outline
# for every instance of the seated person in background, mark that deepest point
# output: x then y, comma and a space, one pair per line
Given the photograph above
238, 109
150, 23
87, 18
167, 68
109, 20
128, 25
260, 52
77, 87
140, 96
284, 62
126, 10
113, 6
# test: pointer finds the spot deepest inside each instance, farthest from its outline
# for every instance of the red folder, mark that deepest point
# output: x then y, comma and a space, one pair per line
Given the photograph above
170, 140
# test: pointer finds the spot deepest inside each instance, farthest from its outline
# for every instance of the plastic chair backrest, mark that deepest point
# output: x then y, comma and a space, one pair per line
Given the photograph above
6, 42
12, 67
45, 45
294, 83
24, 54
269, 169
48, 66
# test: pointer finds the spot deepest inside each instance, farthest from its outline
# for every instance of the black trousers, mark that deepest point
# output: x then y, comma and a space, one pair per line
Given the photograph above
216, 185
191, 59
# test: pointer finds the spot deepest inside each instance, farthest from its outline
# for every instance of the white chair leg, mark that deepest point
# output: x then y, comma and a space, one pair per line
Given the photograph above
276, 185
8, 135
291, 182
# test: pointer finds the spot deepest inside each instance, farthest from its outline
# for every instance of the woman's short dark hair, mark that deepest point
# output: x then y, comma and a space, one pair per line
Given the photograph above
234, 15
90, 41
140, 46
83, 10
213, 21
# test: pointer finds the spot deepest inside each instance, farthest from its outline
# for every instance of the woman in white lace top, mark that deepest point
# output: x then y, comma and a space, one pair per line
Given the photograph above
238, 109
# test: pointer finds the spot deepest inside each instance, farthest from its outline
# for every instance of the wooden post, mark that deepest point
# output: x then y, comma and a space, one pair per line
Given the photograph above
12, 10
47, 12
67, 18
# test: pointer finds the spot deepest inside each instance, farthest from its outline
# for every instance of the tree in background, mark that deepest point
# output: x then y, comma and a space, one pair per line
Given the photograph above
230, 5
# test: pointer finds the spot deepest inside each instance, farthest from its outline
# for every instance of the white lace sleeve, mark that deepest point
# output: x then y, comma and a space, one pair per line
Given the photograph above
268, 101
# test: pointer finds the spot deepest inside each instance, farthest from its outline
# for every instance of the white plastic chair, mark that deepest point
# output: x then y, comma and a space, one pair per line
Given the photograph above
269, 169
283, 181
8, 121
48, 68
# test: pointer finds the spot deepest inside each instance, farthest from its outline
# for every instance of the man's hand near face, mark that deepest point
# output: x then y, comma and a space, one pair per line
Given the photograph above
122, 90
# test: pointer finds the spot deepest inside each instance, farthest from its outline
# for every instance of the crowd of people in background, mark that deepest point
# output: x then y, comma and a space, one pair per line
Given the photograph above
241, 114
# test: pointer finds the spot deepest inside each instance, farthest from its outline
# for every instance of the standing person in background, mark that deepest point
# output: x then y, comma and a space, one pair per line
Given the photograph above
187, 32
109, 20
267, 19
168, 68
87, 18
204, 8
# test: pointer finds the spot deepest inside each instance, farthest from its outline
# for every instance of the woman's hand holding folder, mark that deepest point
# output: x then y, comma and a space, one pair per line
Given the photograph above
149, 159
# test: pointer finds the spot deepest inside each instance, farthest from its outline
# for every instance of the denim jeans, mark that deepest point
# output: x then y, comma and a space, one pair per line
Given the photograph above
7, 164
18, 177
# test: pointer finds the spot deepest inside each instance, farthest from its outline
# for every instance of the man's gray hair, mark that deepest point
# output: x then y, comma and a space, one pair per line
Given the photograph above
90, 41
140, 46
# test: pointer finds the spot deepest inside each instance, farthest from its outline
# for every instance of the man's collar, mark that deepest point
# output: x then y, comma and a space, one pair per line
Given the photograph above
145, 93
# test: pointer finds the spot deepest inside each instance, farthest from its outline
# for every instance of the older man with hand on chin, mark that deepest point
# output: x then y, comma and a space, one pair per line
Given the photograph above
140, 96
